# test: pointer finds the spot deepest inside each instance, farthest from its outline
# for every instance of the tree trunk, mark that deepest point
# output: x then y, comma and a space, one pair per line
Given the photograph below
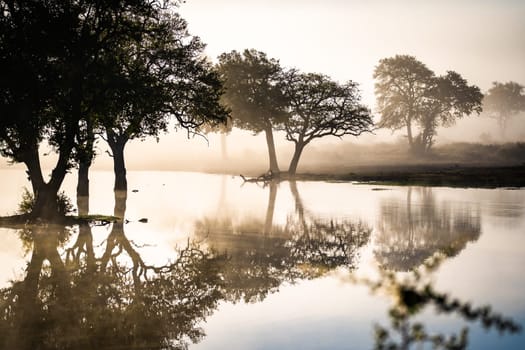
45, 204
409, 133
119, 166
268, 223
83, 179
292, 170
299, 207
86, 155
274, 167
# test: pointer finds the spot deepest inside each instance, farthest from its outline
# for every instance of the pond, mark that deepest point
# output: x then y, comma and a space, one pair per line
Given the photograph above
206, 261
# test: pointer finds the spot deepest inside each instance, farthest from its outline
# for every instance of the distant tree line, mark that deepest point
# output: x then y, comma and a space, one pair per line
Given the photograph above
409, 94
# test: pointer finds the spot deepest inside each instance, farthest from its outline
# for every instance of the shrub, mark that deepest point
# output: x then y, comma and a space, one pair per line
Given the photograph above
65, 206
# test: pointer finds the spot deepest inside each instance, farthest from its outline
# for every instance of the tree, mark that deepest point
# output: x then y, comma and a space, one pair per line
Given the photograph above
407, 92
320, 107
401, 85
503, 101
448, 99
253, 91
57, 52
163, 77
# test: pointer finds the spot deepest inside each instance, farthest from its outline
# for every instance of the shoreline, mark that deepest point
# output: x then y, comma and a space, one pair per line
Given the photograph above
464, 176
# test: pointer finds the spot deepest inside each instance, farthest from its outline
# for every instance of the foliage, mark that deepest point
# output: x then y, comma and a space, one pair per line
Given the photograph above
401, 85
408, 92
62, 59
320, 107
503, 101
447, 100
162, 78
164, 75
253, 89
64, 204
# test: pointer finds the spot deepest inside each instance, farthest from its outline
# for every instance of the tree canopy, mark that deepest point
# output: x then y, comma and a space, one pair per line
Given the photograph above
448, 99
59, 55
163, 78
320, 107
74, 65
254, 93
408, 92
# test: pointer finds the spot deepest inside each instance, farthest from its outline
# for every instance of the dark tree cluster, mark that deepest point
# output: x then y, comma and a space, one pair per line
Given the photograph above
79, 68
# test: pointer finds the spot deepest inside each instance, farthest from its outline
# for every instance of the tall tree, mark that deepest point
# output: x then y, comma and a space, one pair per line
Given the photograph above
407, 92
320, 107
503, 101
401, 85
54, 52
165, 77
253, 84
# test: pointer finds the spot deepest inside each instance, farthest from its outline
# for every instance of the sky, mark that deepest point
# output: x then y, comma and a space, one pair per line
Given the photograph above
482, 40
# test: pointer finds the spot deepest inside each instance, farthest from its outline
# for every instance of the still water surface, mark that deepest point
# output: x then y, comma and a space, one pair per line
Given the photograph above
226, 265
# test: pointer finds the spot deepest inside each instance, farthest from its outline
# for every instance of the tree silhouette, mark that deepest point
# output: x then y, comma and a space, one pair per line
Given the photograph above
253, 84
166, 77
321, 107
61, 59
401, 85
503, 101
449, 99
408, 92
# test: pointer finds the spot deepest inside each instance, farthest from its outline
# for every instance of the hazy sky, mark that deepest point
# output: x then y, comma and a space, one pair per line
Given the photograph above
484, 40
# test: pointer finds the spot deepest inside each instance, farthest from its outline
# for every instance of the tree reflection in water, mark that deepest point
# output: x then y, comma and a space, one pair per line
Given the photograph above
409, 234
77, 296
413, 292
263, 256
78, 300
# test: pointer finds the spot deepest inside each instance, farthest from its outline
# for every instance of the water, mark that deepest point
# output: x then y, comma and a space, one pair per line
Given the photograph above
226, 265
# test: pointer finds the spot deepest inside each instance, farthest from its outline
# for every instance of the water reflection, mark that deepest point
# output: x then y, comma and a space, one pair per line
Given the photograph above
78, 294
408, 234
76, 300
262, 256
414, 292
71, 297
